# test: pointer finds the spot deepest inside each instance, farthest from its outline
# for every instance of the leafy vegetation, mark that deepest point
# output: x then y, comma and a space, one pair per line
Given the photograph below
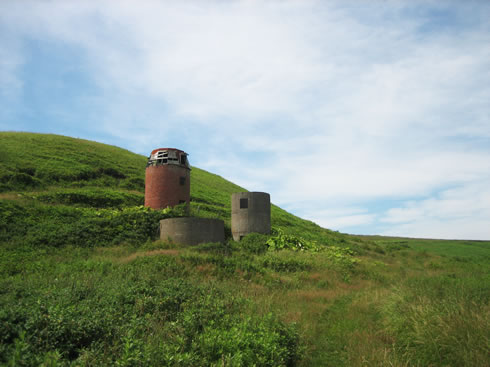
92, 313
282, 241
84, 280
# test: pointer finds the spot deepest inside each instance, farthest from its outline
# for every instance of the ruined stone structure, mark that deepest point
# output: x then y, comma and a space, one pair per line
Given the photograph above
250, 212
191, 230
167, 183
167, 178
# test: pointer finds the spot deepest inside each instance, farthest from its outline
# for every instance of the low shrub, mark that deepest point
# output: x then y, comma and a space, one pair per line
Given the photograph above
22, 181
150, 320
225, 249
92, 197
287, 265
282, 241
41, 225
255, 243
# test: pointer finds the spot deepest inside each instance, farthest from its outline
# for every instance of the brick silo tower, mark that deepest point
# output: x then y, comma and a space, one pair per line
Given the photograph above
167, 178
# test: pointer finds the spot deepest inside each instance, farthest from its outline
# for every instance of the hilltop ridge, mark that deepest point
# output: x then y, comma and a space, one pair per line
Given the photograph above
71, 173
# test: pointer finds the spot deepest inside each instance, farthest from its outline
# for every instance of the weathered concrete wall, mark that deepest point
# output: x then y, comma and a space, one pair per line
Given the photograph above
192, 231
163, 186
255, 218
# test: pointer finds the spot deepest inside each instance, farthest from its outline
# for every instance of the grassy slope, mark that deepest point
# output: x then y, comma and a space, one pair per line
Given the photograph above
135, 301
459, 249
56, 168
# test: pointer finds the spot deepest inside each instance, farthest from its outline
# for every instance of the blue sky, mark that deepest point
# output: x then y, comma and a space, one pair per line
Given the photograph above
367, 117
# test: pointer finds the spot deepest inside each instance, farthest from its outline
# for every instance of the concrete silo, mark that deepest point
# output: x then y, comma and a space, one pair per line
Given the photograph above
250, 212
167, 178
192, 230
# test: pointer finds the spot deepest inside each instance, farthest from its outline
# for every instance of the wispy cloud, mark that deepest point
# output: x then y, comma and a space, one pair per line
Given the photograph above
460, 212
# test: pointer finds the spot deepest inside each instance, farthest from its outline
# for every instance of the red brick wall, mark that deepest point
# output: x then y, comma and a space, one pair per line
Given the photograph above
163, 188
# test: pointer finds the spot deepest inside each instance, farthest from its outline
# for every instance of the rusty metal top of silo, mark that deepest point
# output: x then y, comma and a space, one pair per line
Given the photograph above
158, 149
165, 156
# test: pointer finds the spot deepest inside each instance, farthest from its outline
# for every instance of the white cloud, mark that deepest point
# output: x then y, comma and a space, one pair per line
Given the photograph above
10, 84
10, 61
341, 218
469, 229
461, 212
314, 63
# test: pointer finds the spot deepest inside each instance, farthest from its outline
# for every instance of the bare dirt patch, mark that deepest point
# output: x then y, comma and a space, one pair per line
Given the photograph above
318, 294
11, 196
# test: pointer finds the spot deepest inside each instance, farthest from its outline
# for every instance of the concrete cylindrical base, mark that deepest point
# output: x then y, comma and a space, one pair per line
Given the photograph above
250, 212
192, 231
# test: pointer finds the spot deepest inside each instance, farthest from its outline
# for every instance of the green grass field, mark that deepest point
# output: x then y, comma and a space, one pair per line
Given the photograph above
85, 282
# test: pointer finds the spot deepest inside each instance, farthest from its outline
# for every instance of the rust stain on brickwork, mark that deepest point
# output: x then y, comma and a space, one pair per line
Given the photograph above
167, 178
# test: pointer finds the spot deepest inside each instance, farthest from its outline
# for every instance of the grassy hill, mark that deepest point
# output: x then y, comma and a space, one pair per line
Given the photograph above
84, 281
76, 173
